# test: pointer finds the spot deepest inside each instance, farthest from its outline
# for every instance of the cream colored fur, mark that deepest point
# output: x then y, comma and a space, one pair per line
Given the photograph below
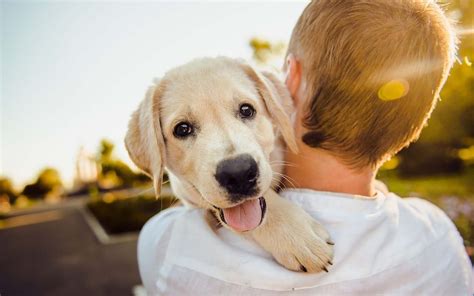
208, 93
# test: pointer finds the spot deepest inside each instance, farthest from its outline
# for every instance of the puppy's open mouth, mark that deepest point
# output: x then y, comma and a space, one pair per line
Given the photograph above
245, 216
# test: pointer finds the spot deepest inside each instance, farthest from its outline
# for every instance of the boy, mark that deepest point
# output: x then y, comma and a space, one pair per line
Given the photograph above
364, 76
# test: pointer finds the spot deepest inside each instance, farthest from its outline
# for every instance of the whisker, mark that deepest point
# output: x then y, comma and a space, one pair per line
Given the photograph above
176, 200
287, 178
283, 165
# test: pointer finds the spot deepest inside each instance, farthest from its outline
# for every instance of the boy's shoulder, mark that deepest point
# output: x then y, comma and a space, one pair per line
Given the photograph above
418, 209
426, 213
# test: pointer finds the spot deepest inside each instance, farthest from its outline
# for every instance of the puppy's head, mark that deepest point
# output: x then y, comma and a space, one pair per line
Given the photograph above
213, 123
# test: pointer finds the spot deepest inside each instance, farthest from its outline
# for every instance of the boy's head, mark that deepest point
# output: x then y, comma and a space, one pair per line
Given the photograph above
371, 72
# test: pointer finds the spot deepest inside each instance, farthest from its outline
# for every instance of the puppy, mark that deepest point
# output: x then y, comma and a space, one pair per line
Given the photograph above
217, 126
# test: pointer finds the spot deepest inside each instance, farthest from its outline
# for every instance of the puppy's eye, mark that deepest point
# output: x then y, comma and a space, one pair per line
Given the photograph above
246, 111
183, 129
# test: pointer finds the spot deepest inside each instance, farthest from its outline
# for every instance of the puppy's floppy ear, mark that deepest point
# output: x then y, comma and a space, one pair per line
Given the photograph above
144, 140
274, 93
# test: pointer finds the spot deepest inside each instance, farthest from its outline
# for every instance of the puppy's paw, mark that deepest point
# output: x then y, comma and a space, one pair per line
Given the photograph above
309, 249
294, 238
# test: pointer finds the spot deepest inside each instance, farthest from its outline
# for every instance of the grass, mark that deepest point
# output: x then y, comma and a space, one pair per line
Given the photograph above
432, 188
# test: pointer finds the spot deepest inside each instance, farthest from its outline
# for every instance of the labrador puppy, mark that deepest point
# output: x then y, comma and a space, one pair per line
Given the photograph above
217, 126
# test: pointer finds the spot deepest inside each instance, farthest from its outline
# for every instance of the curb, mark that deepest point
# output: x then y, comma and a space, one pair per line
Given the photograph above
100, 232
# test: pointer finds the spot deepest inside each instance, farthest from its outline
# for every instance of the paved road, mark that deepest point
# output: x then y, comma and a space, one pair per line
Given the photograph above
56, 253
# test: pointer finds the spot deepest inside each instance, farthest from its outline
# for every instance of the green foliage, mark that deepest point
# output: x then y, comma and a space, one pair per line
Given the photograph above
48, 181
431, 187
123, 172
264, 51
451, 121
115, 172
106, 149
130, 214
425, 159
6, 189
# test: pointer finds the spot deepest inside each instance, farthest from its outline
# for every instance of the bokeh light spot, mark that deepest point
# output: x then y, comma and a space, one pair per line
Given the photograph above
391, 164
393, 90
109, 198
467, 61
467, 154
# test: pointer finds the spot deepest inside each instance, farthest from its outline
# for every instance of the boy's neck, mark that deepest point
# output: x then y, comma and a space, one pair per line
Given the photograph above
319, 170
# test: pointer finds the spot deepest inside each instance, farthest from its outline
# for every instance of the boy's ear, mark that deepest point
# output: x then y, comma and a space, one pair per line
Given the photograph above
144, 140
274, 93
293, 76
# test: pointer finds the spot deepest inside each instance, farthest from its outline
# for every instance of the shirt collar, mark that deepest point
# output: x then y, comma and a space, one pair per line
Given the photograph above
313, 200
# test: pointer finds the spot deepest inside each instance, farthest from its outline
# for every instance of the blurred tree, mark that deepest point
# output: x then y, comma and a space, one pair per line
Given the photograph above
106, 149
6, 190
48, 181
114, 172
265, 52
423, 159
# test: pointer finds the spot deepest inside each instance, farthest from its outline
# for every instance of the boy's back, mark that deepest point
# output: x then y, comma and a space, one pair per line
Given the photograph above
385, 245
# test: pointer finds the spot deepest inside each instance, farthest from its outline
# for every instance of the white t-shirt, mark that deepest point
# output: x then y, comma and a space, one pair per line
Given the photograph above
387, 245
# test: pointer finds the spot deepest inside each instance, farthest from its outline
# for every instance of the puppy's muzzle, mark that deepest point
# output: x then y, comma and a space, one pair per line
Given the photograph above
238, 176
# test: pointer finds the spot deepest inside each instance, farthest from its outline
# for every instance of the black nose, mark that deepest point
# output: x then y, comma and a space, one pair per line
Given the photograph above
238, 175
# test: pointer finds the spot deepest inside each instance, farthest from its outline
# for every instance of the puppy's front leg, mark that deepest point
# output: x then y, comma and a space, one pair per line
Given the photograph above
293, 237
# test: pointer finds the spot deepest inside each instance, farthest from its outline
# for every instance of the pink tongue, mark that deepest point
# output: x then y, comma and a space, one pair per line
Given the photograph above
245, 216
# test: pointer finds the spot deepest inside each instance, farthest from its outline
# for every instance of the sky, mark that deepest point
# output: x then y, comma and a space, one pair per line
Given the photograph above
73, 72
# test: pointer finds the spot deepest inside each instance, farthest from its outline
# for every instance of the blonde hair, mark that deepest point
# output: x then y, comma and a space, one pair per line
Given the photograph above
373, 70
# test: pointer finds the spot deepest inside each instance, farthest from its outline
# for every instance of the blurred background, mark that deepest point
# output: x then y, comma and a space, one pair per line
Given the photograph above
72, 203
